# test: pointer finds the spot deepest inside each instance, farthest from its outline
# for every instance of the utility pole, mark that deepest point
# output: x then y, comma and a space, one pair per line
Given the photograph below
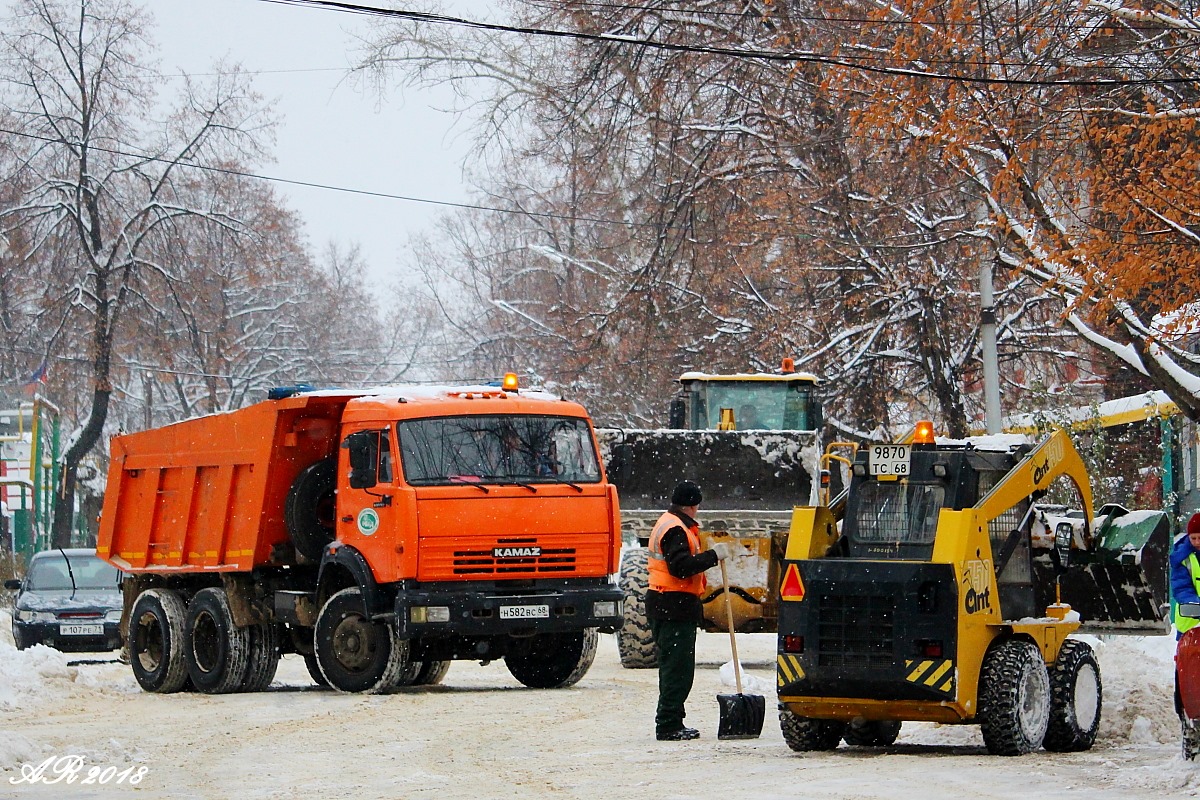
991, 360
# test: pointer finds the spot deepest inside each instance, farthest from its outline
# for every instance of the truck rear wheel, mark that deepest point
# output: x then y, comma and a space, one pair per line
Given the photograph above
156, 641
1014, 698
355, 653
431, 673
806, 734
309, 513
314, 669
872, 732
1076, 695
554, 660
635, 642
218, 651
1191, 738
263, 657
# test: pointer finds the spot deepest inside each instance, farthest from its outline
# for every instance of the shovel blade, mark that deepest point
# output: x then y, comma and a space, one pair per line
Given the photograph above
741, 716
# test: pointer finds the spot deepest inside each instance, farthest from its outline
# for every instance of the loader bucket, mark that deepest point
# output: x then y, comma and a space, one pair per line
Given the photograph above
736, 469
1120, 584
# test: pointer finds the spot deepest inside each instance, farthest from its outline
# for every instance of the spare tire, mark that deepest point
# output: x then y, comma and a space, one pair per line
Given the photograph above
310, 510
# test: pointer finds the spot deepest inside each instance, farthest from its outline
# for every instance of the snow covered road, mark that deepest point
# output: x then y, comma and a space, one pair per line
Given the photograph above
482, 735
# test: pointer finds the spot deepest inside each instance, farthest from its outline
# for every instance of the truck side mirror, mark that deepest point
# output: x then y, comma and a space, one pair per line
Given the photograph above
13, 585
1061, 554
364, 458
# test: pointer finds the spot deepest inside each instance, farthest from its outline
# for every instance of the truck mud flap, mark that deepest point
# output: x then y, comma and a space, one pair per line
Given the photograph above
1121, 586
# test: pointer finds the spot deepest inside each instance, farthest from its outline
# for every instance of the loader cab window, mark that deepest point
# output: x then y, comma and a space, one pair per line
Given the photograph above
895, 518
497, 449
762, 404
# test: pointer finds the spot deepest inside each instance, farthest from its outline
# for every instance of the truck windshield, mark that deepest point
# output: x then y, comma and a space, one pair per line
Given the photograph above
496, 449
897, 512
769, 405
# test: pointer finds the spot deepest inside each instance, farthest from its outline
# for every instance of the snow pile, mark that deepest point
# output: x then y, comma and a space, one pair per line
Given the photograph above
751, 684
1138, 676
42, 674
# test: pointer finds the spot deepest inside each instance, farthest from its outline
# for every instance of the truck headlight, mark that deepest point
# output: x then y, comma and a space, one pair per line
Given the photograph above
421, 614
606, 608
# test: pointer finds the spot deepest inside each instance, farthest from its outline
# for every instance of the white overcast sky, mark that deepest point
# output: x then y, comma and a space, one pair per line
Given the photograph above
330, 132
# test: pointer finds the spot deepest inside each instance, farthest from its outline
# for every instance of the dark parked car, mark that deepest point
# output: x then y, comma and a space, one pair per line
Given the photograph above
69, 600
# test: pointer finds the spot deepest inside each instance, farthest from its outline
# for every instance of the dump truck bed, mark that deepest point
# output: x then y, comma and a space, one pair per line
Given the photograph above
207, 494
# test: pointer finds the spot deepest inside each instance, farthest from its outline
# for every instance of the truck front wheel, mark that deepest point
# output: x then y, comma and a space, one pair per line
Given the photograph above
635, 642
355, 653
156, 639
218, 651
553, 660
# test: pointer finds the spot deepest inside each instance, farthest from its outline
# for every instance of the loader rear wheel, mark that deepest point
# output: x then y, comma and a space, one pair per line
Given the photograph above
354, 652
1014, 698
872, 732
1076, 695
553, 660
309, 512
156, 641
263, 657
217, 652
806, 734
635, 642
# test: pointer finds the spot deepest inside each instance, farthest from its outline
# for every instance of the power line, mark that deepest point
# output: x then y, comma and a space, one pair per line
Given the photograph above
860, 63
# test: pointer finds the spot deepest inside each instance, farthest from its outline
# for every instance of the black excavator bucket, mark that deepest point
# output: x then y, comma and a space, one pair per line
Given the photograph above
1119, 584
736, 469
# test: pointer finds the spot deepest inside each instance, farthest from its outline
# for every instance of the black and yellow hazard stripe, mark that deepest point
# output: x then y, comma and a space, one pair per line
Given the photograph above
788, 670
937, 673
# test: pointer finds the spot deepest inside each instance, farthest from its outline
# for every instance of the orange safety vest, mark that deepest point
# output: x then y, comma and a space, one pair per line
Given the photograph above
661, 579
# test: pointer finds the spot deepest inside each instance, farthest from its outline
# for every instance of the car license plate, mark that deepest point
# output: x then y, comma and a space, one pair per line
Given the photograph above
524, 612
888, 459
65, 629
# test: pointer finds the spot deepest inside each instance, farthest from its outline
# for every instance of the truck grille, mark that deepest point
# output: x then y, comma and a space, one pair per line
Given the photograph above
856, 630
483, 560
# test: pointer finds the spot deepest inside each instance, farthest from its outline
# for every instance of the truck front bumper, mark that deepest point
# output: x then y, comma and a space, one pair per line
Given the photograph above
433, 612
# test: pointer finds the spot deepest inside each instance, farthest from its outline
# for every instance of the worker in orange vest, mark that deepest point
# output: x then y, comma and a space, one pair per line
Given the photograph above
673, 608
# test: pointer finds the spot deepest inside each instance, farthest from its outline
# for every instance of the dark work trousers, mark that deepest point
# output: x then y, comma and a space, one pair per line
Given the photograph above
676, 670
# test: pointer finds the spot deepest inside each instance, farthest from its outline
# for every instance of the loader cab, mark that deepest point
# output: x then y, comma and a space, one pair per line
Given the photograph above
747, 401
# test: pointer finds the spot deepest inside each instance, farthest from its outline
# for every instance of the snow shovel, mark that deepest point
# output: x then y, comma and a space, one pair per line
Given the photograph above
741, 714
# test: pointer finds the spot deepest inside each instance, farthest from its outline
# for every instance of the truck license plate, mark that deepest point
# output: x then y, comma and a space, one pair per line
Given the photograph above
889, 459
524, 612
65, 629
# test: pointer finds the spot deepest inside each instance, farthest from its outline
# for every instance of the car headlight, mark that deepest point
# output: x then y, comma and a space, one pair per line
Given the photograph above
113, 616
35, 616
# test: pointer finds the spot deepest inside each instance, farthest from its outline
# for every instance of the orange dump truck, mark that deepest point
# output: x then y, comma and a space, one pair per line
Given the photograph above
382, 534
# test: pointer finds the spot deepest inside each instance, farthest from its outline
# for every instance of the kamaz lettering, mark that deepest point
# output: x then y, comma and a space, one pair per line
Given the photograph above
516, 552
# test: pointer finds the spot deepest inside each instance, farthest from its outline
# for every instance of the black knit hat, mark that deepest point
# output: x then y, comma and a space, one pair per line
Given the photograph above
687, 494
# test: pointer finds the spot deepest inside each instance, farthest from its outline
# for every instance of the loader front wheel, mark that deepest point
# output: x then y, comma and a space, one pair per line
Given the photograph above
806, 734
553, 660
156, 641
635, 642
872, 732
1075, 699
1014, 698
354, 652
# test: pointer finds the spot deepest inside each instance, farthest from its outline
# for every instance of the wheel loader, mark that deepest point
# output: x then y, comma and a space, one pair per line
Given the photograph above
751, 441
931, 590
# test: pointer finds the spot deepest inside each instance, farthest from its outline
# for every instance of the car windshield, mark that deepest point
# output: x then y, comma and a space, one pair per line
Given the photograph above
48, 573
496, 449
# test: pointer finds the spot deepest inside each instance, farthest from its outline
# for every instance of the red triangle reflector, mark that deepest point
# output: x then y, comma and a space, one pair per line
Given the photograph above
793, 587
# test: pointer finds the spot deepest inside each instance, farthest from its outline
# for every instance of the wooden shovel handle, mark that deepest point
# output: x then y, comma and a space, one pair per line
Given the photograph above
737, 668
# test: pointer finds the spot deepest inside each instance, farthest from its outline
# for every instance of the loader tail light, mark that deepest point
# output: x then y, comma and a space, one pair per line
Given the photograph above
793, 644
924, 432
930, 648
